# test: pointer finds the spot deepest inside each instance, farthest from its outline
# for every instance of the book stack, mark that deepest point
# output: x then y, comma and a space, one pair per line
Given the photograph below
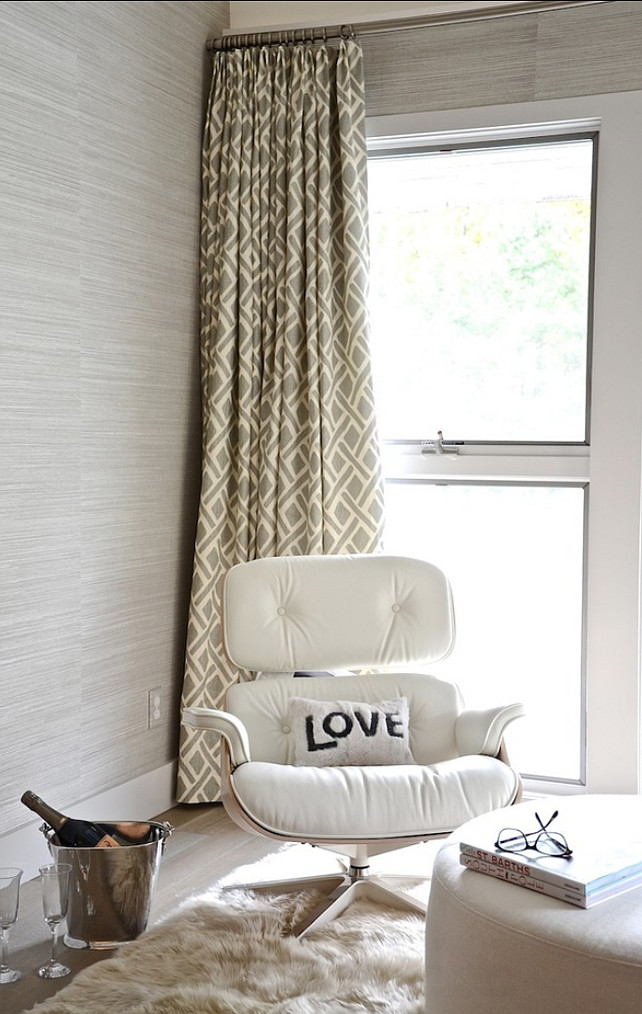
596, 871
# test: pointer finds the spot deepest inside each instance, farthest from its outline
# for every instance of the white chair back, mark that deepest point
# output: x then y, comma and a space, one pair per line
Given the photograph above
284, 614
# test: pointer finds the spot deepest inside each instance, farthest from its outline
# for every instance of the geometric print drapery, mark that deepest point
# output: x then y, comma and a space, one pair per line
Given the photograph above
290, 455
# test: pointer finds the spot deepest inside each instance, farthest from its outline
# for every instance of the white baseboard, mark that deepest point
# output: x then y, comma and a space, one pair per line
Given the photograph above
140, 799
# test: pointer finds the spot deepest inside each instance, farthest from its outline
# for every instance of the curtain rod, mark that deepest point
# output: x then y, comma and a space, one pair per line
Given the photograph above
276, 36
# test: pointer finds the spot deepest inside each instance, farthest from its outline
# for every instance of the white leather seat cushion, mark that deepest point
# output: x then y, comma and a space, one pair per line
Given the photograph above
371, 802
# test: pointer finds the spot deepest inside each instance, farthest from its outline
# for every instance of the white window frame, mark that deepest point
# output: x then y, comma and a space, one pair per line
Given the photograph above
611, 466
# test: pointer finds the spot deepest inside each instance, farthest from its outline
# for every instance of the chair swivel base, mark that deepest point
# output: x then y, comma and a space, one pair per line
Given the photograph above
348, 887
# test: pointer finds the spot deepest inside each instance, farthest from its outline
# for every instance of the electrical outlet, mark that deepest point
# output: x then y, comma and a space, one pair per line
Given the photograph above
154, 708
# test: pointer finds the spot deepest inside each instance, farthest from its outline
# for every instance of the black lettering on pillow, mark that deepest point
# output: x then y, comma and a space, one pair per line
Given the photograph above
341, 733
393, 722
326, 725
309, 735
368, 729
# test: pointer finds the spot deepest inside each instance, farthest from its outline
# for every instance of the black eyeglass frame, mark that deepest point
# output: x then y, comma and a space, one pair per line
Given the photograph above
560, 842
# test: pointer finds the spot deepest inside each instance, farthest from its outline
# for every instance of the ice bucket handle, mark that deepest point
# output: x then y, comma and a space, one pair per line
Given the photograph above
163, 826
168, 829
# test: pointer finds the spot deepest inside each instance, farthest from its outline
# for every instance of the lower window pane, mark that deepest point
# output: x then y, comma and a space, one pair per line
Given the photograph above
514, 557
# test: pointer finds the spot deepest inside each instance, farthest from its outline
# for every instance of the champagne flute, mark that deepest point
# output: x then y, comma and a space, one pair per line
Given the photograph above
9, 891
54, 882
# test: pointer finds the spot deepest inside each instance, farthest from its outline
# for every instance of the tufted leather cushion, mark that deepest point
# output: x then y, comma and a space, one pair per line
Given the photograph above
433, 705
371, 802
336, 612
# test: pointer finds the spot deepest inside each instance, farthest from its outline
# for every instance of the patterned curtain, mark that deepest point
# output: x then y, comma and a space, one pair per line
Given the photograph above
290, 456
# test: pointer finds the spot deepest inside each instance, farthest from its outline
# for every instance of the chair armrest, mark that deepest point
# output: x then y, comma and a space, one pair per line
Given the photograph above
480, 732
229, 726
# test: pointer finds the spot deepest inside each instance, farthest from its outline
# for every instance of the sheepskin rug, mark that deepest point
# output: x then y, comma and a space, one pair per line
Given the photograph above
229, 953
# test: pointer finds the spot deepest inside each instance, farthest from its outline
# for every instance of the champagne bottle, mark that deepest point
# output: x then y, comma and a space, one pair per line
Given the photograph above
69, 831
129, 832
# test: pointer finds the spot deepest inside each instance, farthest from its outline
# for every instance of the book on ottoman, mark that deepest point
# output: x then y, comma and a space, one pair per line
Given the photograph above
600, 866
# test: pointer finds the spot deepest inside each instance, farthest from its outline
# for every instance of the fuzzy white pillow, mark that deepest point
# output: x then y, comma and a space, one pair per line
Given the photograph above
349, 732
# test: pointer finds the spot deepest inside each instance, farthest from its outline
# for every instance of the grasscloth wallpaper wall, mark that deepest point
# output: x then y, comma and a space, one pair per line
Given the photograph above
101, 110
545, 55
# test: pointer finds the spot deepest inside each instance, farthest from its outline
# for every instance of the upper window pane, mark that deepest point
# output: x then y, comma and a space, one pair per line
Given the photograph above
480, 291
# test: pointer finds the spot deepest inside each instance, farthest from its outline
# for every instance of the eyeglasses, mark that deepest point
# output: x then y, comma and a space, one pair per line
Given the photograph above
547, 843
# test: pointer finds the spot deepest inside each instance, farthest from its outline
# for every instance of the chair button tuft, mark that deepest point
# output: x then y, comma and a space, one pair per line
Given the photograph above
281, 611
286, 729
396, 607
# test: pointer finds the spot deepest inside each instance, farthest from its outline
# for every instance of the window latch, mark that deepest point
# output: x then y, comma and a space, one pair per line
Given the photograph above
440, 446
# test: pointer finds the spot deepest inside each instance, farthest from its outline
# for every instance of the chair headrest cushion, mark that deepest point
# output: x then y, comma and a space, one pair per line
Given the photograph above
336, 612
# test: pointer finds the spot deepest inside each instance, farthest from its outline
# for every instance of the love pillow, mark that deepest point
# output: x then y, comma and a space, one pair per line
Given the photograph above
349, 732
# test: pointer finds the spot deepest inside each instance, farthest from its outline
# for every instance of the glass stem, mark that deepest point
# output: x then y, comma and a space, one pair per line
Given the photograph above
53, 944
5, 949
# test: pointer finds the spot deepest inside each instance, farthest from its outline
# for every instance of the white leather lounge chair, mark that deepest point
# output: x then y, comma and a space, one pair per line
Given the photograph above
331, 773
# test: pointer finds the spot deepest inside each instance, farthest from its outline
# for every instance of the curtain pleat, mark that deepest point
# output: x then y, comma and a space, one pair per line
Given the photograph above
290, 455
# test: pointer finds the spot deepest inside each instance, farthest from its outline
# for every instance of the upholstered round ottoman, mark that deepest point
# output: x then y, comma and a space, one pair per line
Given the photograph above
493, 947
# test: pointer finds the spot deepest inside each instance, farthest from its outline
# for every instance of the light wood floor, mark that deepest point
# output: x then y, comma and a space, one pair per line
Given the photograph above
205, 848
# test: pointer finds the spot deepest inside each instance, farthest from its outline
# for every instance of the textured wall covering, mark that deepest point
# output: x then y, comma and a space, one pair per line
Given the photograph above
101, 110
581, 51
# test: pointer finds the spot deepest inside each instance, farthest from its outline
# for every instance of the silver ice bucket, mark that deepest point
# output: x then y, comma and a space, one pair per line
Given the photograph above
110, 889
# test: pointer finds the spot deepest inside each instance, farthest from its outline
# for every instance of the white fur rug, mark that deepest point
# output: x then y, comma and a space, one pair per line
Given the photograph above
227, 954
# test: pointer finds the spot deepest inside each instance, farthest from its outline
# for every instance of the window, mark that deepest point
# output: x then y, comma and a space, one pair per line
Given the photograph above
480, 269
481, 300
